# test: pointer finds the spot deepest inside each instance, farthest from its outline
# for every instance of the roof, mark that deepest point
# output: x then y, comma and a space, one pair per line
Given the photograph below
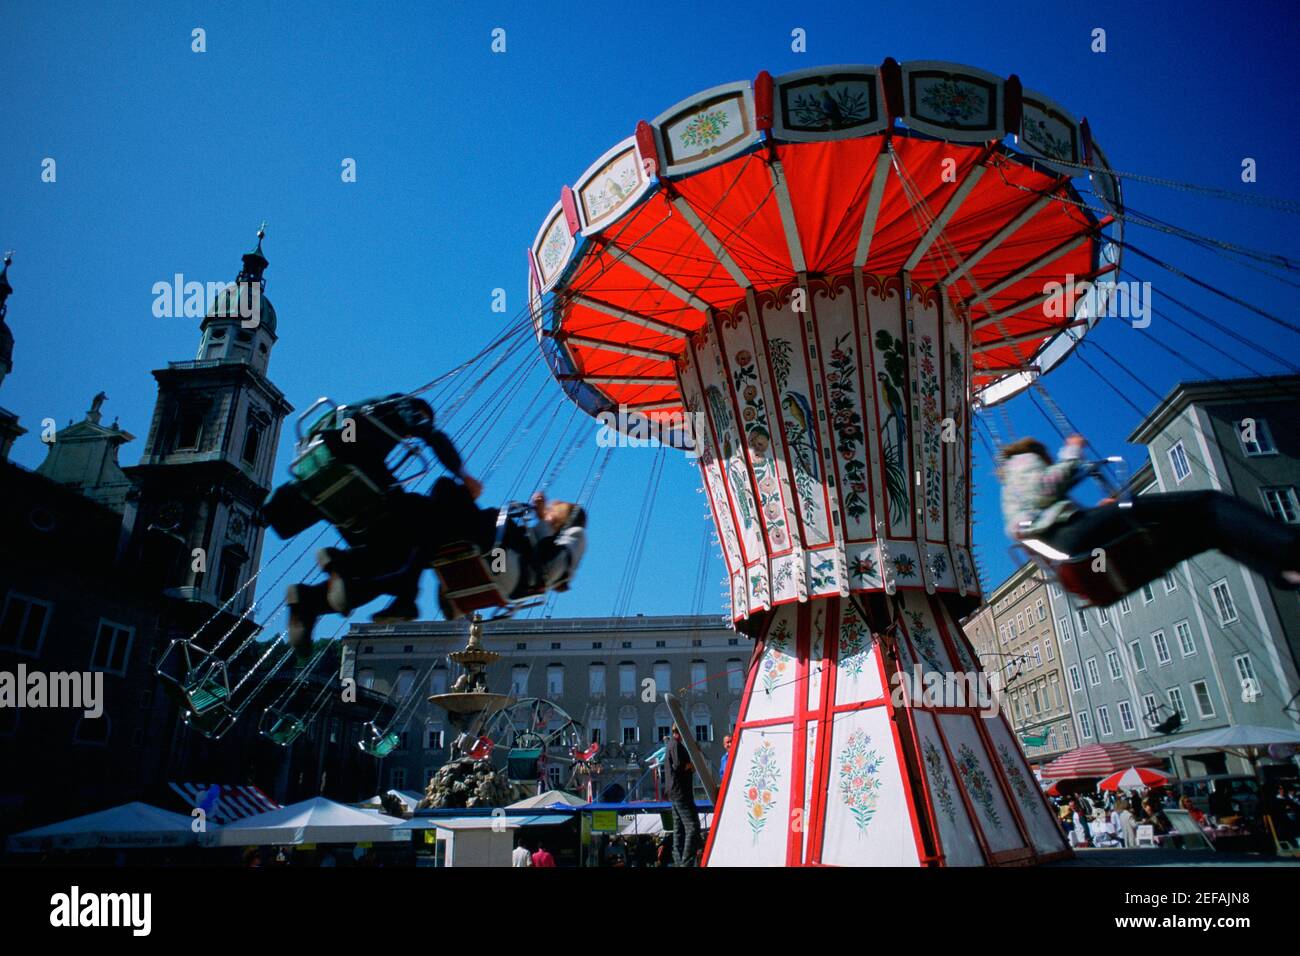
548, 799
129, 825
317, 820
229, 803
226, 304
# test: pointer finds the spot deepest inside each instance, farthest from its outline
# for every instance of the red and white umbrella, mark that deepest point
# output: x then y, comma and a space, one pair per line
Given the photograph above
1098, 760
1134, 778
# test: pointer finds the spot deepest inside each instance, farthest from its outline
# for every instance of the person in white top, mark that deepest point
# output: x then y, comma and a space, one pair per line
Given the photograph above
521, 856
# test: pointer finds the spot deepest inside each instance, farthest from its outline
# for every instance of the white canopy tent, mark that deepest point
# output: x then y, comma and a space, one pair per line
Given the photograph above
651, 824
1249, 741
547, 799
317, 820
129, 825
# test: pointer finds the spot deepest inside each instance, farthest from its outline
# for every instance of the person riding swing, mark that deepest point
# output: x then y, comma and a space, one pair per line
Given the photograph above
342, 475
524, 558
1150, 534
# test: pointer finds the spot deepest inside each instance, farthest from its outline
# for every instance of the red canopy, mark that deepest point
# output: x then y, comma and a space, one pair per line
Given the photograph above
1098, 760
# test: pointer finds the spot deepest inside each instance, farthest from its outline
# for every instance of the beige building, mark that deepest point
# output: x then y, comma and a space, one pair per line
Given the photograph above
607, 674
1016, 640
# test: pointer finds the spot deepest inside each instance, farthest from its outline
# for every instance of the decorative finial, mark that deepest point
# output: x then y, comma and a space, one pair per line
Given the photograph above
5, 287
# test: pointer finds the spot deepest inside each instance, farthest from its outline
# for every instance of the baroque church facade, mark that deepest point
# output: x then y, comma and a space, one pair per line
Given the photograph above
104, 566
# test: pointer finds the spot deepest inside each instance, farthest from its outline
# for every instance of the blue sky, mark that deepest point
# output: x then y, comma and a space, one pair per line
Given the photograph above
167, 160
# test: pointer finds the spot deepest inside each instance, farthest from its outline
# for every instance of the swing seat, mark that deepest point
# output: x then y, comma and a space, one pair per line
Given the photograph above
206, 693
521, 763
1130, 562
468, 584
338, 490
377, 743
281, 728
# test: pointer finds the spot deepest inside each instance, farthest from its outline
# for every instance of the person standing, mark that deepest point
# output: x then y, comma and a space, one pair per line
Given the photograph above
521, 856
542, 857
681, 794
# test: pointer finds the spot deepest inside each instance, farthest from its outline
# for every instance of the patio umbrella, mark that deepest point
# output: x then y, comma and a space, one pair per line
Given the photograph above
1134, 778
130, 825
1097, 760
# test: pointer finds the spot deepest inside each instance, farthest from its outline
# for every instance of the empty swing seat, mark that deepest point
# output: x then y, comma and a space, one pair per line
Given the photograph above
284, 728
521, 763
1129, 562
377, 743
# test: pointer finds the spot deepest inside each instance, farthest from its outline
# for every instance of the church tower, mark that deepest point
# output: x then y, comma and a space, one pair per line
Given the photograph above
210, 455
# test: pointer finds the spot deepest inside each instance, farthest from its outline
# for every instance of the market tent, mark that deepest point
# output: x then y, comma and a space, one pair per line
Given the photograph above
409, 800
1097, 760
1250, 741
651, 824
548, 799
130, 825
317, 820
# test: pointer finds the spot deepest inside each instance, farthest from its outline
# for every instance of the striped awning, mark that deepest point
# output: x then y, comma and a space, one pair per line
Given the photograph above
225, 803
1097, 760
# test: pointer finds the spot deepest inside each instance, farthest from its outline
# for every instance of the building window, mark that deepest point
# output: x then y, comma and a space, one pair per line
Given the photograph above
1223, 605
252, 441
1063, 625
366, 679
1042, 611
228, 575
661, 643
1126, 717
405, 681
1125, 605
1176, 702
112, 646
1280, 501
1148, 595
1038, 656
631, 732
92, 731
1162, 647
663, 676
596, 733
1085, 726
1076, 685
555, 645
1112, 664
521, 645
627, 679
22, 626
1094, 675
1178, 459
519, 680
1065, 734
1204, 706
1056, 691
733, 642
1047, 646
1150, 709
397, 778
596, 680
1171, 583
433, 739
1103, 721
1261, 443
597, 645
735, 675
1136, 657
555, 680
699, 677
702, 724
1185, 643
438, 681
189, 429
1083, 622
1103, 615
627, 645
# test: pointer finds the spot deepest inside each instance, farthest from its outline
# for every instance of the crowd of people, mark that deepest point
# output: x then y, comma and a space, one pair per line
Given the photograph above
1112, 819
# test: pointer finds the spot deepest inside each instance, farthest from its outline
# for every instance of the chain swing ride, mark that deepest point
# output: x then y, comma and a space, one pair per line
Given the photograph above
829, 270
